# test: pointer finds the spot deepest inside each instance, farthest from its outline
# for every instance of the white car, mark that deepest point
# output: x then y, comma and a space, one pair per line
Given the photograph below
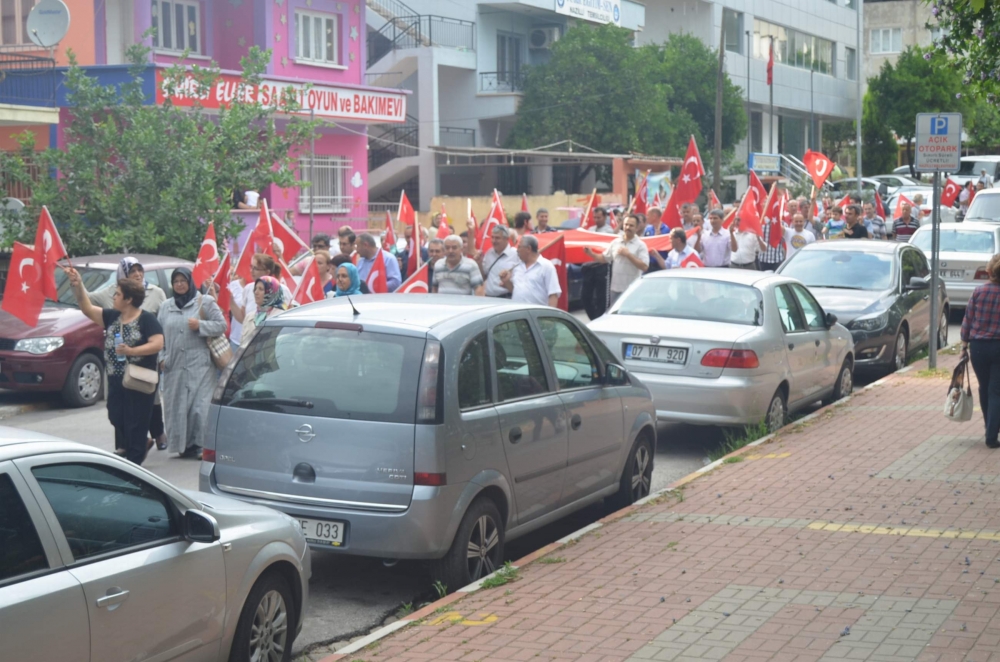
965, 249
926, 207
100, 560
728, 346
985, 206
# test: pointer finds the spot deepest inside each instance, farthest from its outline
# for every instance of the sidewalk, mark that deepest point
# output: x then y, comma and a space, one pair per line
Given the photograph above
870, 532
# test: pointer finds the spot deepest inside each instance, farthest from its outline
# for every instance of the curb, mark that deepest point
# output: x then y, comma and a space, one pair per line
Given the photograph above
433, 607
10, 411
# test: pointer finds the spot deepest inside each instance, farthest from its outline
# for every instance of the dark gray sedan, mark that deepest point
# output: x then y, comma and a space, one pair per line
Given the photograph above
880, 290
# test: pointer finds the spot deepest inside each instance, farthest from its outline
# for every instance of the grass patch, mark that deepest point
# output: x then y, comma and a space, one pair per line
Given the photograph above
930, 373
504, 575
919, 356
733, 460
405, 610
552, 559
736, 440
440, 589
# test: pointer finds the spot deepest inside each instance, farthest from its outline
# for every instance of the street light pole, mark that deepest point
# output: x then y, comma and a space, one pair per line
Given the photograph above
749, 122
770, 120
812, 112
857, 65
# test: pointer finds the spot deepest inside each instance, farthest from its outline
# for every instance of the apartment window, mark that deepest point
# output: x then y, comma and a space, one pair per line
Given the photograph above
886, 40
851, 64
509, 57
316, 37
937, 32
178, 25
330, 185
14, 21
792, 48
732, 21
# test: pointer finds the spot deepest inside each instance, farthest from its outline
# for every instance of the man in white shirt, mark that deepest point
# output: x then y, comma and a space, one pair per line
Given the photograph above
745, 247
502, 257
680, 251
601, 221
715, 242
628, 256
688, 212
534, 279
797, 237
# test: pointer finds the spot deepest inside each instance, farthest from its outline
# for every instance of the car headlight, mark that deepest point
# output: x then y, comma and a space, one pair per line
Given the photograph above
870, 323
39, 345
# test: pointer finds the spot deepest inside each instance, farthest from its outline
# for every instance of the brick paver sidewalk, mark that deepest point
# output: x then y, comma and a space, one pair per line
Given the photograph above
868, 533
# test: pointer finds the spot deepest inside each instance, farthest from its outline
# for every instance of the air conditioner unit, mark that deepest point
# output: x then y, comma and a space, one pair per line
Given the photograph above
543, 38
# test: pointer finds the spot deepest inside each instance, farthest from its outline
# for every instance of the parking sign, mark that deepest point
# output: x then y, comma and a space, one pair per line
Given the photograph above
939, 142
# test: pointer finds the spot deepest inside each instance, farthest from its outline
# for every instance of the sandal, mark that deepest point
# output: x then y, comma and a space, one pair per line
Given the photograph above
149, 444
161, 442
120, 452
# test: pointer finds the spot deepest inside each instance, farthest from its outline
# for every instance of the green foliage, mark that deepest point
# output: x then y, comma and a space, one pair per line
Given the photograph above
143, 178
738, 438
837, 137
440, 589
982, 125
879, 151
971, 38
920, 81
552, 559
504, 575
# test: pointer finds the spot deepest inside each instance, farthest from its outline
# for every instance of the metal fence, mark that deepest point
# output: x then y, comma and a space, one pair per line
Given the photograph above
414, 31
501, 82
27, 79
453, 136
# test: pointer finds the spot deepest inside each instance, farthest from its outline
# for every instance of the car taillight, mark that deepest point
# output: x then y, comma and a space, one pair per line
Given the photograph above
429, 404
207, 455
433, 480
730, 358
981, 274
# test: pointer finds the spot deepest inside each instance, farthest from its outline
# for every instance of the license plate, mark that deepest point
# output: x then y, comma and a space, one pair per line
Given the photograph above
656, 353
323, 532
956, 274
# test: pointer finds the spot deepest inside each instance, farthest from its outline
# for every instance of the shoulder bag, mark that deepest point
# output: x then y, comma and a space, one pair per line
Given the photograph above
958, 404
219, 347
140, 379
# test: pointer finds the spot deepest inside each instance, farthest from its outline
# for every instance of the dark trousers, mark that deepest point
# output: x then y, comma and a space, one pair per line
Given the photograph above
985, 358
129, 412
156, 427
769, 266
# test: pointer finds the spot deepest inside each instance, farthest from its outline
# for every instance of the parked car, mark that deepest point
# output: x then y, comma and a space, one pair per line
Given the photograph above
965, 248
728, 347
102, 560
972, 166
428, 427
895, 181
926, 207
985, 206
65, 352
905, 172
878, 290
868, 184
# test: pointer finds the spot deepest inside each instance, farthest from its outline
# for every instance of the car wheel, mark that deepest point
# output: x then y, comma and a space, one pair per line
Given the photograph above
84, 382
845, 381
267, 623
477, 550
777, 412
899, 353
943, 330
637, 477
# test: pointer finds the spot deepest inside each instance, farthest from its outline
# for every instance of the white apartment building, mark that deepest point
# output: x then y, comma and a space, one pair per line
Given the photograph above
462, 62
815, 52
893, 25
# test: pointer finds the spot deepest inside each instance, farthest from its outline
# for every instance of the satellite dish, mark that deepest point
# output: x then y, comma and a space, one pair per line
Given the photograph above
12, 204
48, 23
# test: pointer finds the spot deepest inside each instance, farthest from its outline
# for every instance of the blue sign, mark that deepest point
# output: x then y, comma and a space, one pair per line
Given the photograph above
939, 126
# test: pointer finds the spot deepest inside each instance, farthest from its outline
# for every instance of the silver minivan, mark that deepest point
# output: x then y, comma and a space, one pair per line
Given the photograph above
428, 426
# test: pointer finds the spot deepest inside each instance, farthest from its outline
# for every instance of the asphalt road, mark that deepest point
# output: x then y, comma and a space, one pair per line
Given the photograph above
351, 596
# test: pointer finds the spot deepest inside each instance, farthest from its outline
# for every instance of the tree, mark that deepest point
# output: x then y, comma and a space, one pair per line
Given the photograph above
143, 178
920, 82
601, 92
982, 125
837, 136
971, 37
879, 150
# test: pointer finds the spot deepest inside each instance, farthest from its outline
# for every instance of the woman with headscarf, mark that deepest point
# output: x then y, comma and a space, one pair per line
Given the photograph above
270, 299
348, 281
189, 319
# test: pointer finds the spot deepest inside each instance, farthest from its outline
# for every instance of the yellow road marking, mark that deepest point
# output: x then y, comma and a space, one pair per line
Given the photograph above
769, 456
456, 617
915, 531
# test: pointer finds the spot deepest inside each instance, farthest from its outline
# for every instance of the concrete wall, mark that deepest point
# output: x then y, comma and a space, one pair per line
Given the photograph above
911, 16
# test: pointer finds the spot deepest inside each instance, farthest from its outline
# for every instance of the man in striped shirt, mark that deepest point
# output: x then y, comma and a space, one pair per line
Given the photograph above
904, 226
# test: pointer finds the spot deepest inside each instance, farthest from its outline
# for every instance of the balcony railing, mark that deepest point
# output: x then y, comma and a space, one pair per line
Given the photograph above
27, 80
394, 142
501, 82
453, 136
414, 31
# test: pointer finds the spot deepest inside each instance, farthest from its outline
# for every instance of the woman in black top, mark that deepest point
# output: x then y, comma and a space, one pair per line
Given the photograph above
131, 336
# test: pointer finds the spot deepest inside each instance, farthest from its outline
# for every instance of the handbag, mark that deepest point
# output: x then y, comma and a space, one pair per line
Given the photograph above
218, 347
140, 379
958, 404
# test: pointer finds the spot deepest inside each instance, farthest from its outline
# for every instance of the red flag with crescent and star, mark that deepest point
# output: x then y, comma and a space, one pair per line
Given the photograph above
818, 165
261, 240
692, 261
688, 186
879, 207
443, 229
749, 215
641, 203
310, 288
50, 249
899, 208
950, 192
208, 258
23, 296
376, 281
408, 217
484, 235
389, 239
760, 191
417, 283
221, 278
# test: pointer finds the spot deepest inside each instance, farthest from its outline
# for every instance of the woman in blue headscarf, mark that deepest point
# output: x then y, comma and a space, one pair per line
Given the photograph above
348, 281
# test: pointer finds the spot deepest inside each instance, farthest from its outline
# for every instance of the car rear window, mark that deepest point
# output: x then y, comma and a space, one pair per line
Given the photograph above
984, 208
958, 241
93, 280
694, 299
331, 373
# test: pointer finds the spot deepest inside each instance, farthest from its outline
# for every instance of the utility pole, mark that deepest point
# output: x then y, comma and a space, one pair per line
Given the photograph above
717, 160
770, 120
857, 63
749, 122
312, 171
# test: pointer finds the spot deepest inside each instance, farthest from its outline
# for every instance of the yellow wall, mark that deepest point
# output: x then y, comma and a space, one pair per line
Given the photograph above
456, 207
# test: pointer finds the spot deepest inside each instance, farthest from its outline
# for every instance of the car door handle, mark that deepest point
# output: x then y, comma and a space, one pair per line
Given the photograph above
112, 599
514, 435
817, 343
791, 346
576, 422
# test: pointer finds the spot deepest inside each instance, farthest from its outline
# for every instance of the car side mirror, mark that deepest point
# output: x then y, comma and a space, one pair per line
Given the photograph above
615, 375
200, 527
830, 320
918, 283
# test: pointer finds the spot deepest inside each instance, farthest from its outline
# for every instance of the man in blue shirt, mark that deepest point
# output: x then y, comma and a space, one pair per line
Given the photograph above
368, 250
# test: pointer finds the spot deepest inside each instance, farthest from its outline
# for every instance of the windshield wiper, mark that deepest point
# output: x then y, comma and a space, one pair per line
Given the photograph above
280, 402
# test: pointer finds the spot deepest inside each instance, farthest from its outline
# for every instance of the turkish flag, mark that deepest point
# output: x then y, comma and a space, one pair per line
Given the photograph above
587, 220
692, 261
555, 252
208, 258
524, 203
50, 249
899, 207
415, 284
286, 276
289, 239
749, 216
640, 205
407, 216
578, 240
261, 240
23, 296
818, 165
443, 229
376, 277
713, 200
484, 236
843, 202
221, 279
770, 64
657, 202
757, 187
950, 193
879, 207
310, 287
389, 240
730, 217
772, 215
672, 212
688, 186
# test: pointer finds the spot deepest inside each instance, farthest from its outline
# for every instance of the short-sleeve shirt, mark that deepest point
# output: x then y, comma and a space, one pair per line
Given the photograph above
904, 229
796, 241
623, 272
535, 284
135, 333
463, 279
493, 264
859, 231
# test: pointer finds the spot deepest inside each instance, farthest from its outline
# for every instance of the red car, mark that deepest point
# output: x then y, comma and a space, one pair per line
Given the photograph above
65, 352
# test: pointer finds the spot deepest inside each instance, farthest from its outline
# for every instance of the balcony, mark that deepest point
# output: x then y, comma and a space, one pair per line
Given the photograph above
501, 82
453, 136
27, 80
401, 32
